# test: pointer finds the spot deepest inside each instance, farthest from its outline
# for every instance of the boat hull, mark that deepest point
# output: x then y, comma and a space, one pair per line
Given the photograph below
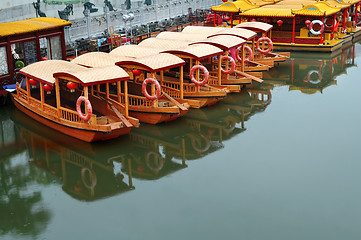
156, 117
82, 134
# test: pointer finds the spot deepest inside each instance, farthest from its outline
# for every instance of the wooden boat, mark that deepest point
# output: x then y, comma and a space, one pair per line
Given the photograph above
163, 109
243, 64
55, 90
200, 54
267, 58
168, 41
177, 87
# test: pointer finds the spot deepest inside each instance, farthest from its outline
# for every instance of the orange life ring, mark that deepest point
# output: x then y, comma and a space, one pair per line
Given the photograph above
229, 71
88, 106
270, 45
250, 54
206, 75
157, 86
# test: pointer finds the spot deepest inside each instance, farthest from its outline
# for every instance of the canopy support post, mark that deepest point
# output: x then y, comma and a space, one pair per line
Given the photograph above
293, 30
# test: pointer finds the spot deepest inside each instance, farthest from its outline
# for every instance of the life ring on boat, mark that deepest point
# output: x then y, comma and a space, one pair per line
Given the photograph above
88, 106
309, 79
250, 54
206, 75
270, 45
233, 64
93, 178
329, 26
158, 162
319, 31
157, 86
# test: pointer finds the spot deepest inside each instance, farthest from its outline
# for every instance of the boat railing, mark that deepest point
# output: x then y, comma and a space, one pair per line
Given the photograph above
135, 100
174, 93
171, 85
139, 101
65, 113
190, 87
69, 115
50, 110
213, 79
22, 93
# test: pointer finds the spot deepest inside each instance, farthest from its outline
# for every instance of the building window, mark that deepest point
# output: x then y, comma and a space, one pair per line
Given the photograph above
3, 61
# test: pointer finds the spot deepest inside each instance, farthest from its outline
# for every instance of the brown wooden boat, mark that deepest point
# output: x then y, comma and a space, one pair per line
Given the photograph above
163, 109
265, 29
241, 64
167, 42
157, 66
53, 94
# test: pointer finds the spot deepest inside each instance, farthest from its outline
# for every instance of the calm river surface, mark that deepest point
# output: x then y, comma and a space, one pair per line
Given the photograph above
279, 161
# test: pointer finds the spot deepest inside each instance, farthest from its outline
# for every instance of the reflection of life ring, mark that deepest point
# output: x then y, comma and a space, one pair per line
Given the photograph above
88, 106
229, 128
322, 27
93, 178
206, 75
158, 162
199, 148
250, 54
19, 64
309, 79
233, 65
270, 45
157, 86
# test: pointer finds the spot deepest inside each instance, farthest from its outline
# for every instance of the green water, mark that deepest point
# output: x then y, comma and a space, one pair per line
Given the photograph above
281, 160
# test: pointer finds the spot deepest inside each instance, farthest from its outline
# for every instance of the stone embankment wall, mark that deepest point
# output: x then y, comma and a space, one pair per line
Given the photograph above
97, 22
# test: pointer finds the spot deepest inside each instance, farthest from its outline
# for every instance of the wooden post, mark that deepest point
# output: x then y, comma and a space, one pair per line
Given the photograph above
86, 95
28, 89
253, 45
126, 97
197, 76
243, 57
119, 91
181, 82
219, 70
293, 30
155, 102
107, 90
42, 96
227, 67
57, 92
161, 77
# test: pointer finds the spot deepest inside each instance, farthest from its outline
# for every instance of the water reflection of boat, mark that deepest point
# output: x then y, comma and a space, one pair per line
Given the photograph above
310, 73
10, 142
87, 171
